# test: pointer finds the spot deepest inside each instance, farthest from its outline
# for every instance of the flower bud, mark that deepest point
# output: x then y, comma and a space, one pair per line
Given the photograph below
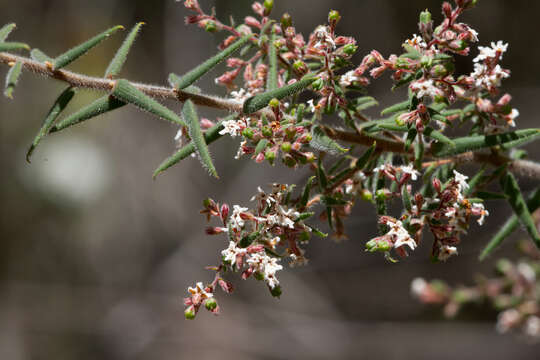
300, 66
247, 133
290, 132
425, 17
286, 21
333, 17
318, 84
426, 61
286, 147
382, 194
274, 103
379, 244
190, 313
366, 195
350, 49
270, 156
224, 211
268, 5
210, 26
226, 286
276, 291
267, 131
447, 9
258, 276
210, 304
289, 161
436, 184
439, 71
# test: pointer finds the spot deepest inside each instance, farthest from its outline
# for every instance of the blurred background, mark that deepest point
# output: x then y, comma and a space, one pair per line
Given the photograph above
95, 257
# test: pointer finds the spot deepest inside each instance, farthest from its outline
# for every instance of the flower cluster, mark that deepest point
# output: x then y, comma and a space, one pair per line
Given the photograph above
258, 240
513, 293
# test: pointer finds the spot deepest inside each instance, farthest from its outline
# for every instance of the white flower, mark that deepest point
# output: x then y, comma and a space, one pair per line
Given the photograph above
237, 222
410, 170
240, 95
507, 320
478, 208
445, 252
461, 181
230, 254
532, 326
267, 266
232, 127
263, 197
348, 78
417, 41
199, 289
323, 37
179, 134
512, 116
311, 106
240, 151
425, 88
286, 217
418, 286
527, 272
474, 35
486, 52
400, 235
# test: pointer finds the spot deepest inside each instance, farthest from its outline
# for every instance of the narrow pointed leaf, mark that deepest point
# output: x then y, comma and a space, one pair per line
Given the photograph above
402, 106
12, 78
195, 74
128, 93
40, 56
307, 191
74, 53
261, 146
210, 136
470, 143
257, 102
516, 200
366, 156
509, 227
323, 142
194, 127
366, 105
100, 106
437, 135
6, 30
271, 82
57, 108
11, 46
120, 57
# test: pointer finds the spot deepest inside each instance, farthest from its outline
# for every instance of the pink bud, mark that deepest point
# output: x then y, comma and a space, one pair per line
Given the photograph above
258, 8
206, 124
224, 212
226, 286
436, 184
504, 100
251, 21
447, 9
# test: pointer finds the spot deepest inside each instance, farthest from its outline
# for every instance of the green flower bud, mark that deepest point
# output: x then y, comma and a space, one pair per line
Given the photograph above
378, 245
439, 71
247, 133
268, 5
270, 156
210, 26
350, 49
258, 276
304, 236
276, 291
299, 65
426, 61
210, 304
267, 131
425, 17
286, 21
189, 313
381, 194
207, 202
286, 147
318, 84
274, 103
290, 132
366, 195
333, 16
289, 161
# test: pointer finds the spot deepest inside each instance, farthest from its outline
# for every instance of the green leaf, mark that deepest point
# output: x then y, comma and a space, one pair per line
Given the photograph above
406, 197
100, 106
12, 78
11, 46
194, 127
411, 136
210, 136
470, 143
6, 30
257, 102
321, 176
128, 93
366, 156
323, 142
195, 74
402, 106
261, 146
40, 56
361, 106
516, 200
120, 57
74, 53
272, 77
307, 191
437, 135
59, 105
510, 226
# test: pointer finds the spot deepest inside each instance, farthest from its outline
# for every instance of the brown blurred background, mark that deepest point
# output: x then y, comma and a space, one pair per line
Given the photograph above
95, 256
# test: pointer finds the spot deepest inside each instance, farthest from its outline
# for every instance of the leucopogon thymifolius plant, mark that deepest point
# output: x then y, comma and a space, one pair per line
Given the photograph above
301, 101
